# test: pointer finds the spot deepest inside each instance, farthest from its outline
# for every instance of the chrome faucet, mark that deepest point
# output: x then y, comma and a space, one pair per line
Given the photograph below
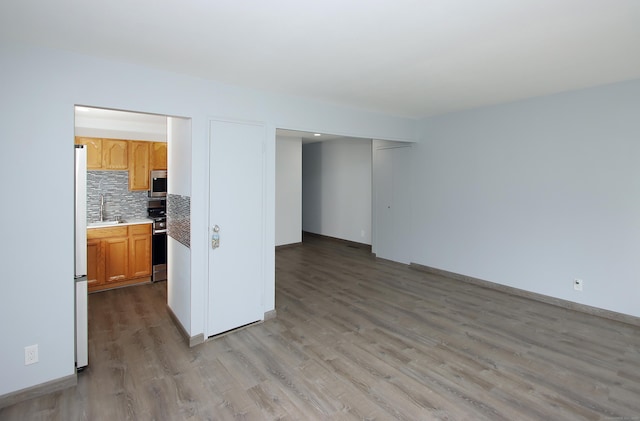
102, 208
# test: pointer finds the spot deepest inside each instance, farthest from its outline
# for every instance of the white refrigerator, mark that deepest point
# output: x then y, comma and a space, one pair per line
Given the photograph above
80, 272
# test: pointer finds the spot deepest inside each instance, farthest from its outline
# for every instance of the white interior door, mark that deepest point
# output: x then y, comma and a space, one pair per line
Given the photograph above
392, 202
236, 206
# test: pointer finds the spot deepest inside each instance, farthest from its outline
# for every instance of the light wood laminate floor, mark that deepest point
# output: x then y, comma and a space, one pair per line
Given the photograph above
354, 338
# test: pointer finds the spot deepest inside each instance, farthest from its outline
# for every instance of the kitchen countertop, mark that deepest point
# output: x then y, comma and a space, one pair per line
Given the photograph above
107, 224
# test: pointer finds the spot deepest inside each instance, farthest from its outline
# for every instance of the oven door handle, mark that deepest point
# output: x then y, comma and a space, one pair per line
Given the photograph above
164, 231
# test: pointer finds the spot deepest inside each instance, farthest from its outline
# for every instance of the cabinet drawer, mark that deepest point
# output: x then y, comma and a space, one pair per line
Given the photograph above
106, 232
140, 229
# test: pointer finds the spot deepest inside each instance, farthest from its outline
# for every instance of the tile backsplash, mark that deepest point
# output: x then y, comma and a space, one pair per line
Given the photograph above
179, 218
118, 200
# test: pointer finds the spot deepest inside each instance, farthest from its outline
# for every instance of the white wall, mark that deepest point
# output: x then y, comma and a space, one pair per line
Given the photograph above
536, 193
39, 90
336, 183
288, 190
179, 291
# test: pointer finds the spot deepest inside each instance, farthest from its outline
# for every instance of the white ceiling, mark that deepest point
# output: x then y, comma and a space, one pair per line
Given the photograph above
406, 57
310, 137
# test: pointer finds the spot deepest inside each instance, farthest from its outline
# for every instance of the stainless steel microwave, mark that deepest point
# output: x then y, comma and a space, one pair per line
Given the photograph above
158, 183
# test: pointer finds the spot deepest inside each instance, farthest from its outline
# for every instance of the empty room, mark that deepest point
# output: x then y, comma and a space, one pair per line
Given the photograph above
367, 210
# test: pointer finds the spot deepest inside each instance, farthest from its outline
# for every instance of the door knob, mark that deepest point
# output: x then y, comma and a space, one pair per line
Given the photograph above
215, 237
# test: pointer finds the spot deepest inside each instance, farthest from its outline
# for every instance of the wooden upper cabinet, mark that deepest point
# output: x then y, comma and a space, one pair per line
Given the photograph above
94, 151
159, 155
139, 165
139, 157
115, 154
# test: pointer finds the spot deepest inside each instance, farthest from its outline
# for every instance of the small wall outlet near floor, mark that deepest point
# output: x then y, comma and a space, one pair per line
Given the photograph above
30, 354
577, 284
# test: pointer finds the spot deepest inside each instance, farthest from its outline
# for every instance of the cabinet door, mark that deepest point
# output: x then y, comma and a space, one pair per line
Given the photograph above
159, 156
114, 154
95, 263
139, 165
116, 254
140, 251
94, 151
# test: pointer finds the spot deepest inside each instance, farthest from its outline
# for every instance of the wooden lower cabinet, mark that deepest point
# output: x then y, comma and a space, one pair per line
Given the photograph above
116, 259
139, 250
118, 256
95, 263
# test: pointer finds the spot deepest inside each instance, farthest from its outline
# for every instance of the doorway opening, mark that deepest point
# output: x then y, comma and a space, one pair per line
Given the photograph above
126, 164
127, 224
323, 187
335, 186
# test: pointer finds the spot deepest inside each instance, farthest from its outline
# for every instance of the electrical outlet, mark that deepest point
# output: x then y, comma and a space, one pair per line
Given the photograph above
577, 284
30, 354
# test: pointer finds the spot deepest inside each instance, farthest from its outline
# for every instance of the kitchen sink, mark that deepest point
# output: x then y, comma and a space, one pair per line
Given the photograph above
105, 223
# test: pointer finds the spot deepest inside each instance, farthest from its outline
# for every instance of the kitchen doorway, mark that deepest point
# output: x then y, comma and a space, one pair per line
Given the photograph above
126, 185
115, 197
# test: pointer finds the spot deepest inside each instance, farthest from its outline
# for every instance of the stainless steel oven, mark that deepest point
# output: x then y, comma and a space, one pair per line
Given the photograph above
159, 251
157, 211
